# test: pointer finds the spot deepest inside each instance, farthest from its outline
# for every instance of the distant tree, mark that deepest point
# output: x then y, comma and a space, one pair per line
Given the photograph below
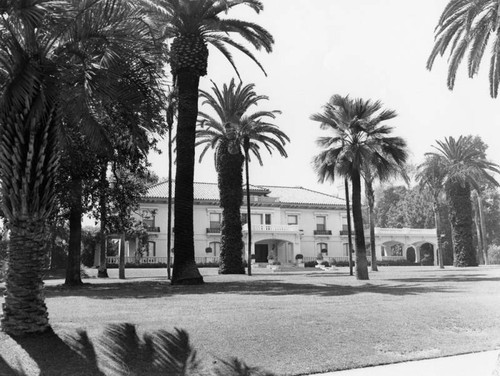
228, 132
400, 207
465, 27
464, 166
388, 211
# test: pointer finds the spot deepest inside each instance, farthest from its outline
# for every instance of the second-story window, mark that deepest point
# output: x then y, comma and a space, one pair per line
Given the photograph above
293, 219
267, 219
215, 220
148, 218
344, 222
321, 223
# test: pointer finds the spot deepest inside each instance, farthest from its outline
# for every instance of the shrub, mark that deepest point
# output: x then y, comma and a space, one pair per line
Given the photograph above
494, 254
325, 263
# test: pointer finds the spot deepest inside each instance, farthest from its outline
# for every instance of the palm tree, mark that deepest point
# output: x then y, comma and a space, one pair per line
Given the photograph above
430, 176
464, 165
28, 154
229, 133
391, 158
40, 69
109, 81
465, 27
358, 140
193, 24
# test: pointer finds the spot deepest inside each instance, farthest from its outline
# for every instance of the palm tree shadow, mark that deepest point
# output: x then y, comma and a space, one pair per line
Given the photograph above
51, 354
119, 350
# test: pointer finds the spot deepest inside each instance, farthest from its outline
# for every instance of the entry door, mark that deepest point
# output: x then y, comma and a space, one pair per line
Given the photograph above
261, 251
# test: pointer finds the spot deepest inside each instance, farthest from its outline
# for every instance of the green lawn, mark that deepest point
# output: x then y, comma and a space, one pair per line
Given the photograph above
286, 323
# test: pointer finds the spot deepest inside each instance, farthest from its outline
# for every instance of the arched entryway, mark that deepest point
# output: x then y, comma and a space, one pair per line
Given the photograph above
427, 254
411, 255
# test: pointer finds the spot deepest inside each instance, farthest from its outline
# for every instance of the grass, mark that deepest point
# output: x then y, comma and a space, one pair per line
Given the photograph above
286, 323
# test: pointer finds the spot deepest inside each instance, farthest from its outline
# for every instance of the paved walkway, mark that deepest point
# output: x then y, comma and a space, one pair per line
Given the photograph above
485, 363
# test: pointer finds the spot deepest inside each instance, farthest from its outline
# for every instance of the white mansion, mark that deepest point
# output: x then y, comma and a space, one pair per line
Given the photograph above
285, 220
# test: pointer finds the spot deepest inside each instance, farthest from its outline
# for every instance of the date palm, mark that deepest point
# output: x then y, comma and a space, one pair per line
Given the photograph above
463, 165
38, 61
463, 31
359, 140
194, 24
28, 154
233, 132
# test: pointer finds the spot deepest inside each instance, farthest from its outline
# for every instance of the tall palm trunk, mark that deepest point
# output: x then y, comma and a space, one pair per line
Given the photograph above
73, 272
246, 147
483, 227
28, 165
370, 195
103, 271
461, 223
437, 220
24, 310
230, 176
185, 270
361, 261
479, 232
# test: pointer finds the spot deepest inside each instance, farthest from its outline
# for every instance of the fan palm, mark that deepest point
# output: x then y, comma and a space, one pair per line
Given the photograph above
430, 176
463, 166
391, 157
193, 24
358, 140
466, 27
109, 81
232, 132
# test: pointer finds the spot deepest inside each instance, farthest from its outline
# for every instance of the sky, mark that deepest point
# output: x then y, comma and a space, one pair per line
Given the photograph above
371, 49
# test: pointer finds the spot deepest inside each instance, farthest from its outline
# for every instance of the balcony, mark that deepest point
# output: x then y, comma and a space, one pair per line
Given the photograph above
152, 229
323, 232
273, 228
213, 230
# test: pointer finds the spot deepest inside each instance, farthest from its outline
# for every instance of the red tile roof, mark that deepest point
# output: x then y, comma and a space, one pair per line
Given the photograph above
284, 195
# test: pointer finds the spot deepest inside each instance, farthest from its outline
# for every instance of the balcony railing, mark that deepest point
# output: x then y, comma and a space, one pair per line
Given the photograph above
159, 260
272, 228
322, 232
213, 230
152, 229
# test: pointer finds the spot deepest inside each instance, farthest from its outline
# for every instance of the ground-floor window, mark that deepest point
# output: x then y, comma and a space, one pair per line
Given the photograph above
345, 248
322, 247
151, 249
214, 247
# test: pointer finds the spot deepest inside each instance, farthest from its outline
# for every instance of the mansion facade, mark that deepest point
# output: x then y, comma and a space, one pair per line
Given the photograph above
286, 221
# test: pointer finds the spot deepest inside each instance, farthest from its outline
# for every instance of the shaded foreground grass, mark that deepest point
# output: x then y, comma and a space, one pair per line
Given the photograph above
295, 323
